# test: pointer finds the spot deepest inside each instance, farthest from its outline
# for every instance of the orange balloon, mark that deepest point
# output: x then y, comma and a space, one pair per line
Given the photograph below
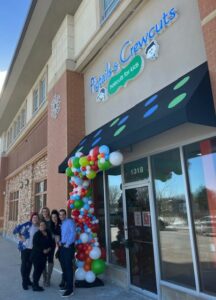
88, 260
87, 267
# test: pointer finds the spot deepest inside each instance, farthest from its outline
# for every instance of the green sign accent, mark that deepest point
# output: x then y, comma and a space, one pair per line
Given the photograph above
128, 73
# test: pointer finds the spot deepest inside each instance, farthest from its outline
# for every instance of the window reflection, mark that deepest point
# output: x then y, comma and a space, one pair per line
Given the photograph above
114, 191
201, 165
176, 257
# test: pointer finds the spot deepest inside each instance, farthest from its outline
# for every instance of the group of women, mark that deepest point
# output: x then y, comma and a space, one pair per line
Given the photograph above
39, 241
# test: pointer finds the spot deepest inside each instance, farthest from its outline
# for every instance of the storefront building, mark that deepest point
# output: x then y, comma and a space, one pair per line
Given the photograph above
138, 76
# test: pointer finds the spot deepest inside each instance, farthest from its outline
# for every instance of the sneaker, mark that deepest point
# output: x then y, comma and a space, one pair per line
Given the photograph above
68, 294
37, 288
63, 289
25, 286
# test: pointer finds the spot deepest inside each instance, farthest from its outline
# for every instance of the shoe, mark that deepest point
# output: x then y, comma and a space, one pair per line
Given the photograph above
68, 294
25, 287
37, 289
29, 282
63, 289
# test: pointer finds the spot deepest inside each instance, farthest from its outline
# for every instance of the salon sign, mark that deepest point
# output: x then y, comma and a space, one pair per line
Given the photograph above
131, 61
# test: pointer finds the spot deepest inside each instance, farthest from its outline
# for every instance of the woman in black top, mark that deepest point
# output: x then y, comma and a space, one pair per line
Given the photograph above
56, 234
42, 245
46, 217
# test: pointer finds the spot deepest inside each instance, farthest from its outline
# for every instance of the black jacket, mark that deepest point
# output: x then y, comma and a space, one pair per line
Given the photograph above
40, 243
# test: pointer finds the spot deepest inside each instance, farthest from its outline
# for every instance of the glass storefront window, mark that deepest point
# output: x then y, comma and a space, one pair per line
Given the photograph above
200, 161
136, 170
116, 220
175, 249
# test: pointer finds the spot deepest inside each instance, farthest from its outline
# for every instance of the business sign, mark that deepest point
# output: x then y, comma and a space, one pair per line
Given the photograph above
131, 60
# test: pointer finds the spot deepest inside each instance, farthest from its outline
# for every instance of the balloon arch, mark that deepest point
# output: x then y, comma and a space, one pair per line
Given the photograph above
90, 257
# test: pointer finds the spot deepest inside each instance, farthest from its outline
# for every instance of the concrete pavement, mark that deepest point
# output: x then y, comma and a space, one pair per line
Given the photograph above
10, 282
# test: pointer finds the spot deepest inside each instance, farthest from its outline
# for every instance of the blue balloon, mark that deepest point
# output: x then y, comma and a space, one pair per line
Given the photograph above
80, 263
104, 149
86, 207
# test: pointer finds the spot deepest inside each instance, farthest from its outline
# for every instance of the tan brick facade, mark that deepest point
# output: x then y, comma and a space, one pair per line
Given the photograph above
34, 172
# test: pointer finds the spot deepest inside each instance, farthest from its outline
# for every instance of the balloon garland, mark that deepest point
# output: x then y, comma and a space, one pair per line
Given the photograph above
90, 258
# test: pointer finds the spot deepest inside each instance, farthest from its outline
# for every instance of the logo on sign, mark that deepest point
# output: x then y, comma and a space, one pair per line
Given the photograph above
131, 60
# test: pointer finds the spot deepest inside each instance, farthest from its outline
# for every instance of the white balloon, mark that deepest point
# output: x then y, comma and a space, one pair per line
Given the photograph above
84, 237
80, 274
79, 154
116, 158
90, 277
95, 253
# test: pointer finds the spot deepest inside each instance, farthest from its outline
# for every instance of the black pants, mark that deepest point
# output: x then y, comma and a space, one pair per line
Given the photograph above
26, 265
66, 259
39, 264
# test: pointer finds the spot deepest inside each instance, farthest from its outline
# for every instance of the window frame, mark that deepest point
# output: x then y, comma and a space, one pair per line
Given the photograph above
13, 206
40, 193
107, 11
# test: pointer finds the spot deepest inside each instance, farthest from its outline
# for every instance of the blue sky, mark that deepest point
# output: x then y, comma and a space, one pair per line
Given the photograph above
12, 17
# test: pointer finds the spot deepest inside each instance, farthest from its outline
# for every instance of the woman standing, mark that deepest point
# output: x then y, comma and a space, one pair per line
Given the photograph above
47, 272
26, 233
56, 234
42, 246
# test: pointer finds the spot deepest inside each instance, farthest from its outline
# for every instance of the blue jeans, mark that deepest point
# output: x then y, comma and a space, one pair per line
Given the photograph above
66, 258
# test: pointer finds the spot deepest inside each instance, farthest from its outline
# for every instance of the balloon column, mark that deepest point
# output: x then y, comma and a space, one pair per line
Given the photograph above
81, 170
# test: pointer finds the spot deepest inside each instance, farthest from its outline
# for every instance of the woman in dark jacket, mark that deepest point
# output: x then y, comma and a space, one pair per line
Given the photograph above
42, 245
56, 235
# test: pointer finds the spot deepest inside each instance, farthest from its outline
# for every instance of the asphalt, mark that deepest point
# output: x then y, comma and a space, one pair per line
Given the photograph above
10, 282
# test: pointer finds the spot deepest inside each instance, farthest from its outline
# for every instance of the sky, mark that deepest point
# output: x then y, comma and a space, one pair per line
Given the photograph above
12, 18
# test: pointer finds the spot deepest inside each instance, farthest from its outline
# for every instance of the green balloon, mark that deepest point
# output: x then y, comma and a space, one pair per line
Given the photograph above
78, 204
69, 172
98, 266
83, 161
104, 166
91, 175
76, 162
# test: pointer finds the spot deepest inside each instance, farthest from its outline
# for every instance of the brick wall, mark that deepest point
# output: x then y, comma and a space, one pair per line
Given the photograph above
208, 18
64, 133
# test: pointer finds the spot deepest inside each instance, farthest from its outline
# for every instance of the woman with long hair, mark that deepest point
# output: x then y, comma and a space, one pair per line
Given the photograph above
47, 272
56, 233
26, 232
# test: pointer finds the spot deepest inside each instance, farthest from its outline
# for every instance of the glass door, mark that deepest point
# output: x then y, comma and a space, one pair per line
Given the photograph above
140, 243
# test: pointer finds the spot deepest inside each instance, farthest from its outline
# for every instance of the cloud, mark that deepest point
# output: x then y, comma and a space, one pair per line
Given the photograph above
2, 78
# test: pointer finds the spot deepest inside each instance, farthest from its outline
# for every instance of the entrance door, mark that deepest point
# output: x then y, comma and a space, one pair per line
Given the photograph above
140, 244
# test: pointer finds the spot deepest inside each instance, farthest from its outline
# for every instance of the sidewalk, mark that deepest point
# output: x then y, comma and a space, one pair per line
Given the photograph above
10, 282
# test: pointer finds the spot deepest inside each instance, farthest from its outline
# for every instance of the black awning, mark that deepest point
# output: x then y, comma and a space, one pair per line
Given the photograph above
188, 99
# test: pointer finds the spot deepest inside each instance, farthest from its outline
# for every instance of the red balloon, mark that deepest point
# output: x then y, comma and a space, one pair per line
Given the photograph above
81, 256
95, 151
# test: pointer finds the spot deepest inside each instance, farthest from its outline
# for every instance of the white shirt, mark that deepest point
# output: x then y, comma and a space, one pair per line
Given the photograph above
29, 242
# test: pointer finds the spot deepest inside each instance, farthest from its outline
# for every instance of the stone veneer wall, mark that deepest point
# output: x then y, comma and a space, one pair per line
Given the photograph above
34, 172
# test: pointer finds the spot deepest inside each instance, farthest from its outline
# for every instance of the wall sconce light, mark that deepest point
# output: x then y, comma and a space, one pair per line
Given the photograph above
21, 185
26, 182
3, 193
